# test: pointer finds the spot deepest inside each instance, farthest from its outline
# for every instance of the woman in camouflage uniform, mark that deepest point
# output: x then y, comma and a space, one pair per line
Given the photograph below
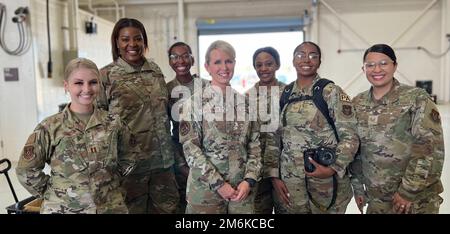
181, 60
266, 62
402, 147
305, 128
86, 149
220, 143
134, 88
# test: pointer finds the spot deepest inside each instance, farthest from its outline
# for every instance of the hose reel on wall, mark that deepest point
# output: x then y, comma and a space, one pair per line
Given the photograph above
21, 19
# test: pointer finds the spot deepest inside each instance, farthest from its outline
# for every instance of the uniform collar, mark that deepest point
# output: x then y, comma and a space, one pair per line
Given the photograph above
130, 69
278, 83
297, 90
74, 123
390, 97
177, 82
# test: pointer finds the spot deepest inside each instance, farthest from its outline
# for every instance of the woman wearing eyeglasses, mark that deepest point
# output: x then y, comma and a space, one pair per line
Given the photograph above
180, 88
134, 88
402, 148
306, 135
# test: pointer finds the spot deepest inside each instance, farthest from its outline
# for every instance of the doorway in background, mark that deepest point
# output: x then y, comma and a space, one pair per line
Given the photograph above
246, 36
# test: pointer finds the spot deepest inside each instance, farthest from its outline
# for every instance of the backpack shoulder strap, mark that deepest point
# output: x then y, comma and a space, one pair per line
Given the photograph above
285, 95
321, 104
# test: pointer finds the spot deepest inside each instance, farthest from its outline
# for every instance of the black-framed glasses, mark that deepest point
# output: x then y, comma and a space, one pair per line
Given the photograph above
383, 64
175, 57
311, 56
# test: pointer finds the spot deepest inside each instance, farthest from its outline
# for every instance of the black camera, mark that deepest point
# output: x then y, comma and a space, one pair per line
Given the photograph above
322, 155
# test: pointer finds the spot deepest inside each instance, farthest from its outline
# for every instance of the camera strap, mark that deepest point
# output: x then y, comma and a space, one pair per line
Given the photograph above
322, 105
333, 198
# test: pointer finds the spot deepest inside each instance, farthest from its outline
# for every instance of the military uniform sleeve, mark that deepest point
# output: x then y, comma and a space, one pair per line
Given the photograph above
191, 138
427, 151
356, 176
270, 139
355, 168
345, 121
180, 161
163, 127
128, 151
32, 161
102, 97
254, 162
272, 154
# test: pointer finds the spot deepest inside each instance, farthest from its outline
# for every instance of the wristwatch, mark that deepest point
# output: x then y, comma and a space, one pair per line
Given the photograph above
251, 182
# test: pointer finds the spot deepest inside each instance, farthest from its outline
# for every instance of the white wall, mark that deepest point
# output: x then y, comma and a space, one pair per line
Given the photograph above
18, 112
96, 47
34, 97
445, 63
381, 27
50, 91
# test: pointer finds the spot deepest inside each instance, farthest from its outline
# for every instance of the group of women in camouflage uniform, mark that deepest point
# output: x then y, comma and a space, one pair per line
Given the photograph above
110, 150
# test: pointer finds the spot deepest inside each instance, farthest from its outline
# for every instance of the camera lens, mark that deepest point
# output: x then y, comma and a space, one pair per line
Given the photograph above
326, 156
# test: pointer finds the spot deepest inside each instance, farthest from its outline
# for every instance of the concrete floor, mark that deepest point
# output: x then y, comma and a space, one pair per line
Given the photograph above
6, 197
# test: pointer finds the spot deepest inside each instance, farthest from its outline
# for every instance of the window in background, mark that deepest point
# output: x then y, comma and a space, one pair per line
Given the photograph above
245, 45
248, 35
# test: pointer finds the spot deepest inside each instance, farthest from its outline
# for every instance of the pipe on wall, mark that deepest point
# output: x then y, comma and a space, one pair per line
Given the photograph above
180, 20
73, 24
445, 61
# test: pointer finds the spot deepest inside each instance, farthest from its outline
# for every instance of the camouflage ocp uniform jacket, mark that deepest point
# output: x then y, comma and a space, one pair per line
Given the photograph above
140, 98
402, 147
270, 140
86, 163
304, 127
175, 89
218, 151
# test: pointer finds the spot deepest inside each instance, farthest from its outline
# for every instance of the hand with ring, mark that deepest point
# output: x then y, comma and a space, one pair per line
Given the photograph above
400, 205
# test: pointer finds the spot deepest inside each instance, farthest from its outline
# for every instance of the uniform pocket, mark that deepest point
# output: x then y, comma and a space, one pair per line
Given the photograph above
68, 158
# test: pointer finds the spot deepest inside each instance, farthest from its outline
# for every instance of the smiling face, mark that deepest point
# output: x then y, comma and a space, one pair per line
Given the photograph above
306, 61
180, 60
131, 45
82, 85
220, 67
265, 66
379, 70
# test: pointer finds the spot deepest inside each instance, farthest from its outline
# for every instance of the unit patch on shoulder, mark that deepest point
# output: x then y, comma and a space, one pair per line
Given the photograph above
185, 127
28, 153
347, 110
345, 98
435, 116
